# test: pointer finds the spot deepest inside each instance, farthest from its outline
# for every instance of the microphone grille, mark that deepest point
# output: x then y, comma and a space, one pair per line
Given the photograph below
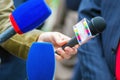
99, 24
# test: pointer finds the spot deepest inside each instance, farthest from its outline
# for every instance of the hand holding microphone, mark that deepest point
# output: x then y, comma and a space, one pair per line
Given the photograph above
84, 31
58, 39
26, 17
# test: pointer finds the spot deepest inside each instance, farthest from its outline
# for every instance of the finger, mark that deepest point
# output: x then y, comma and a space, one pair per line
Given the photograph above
58, 57
75, 50
77, 46
62, 53
71, 51
61, 39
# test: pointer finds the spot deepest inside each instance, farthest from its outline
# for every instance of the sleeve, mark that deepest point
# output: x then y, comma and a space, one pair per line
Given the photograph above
92, 62
18, 45
89, 9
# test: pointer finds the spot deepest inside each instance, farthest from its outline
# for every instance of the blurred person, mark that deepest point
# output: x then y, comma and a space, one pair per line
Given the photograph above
98, 58
14, 50
65, 18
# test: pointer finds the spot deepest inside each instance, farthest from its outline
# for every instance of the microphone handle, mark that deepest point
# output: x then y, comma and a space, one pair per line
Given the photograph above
7, 34
71, 43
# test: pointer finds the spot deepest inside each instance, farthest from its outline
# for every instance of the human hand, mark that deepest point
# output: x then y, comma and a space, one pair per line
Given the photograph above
67, 53
58, 40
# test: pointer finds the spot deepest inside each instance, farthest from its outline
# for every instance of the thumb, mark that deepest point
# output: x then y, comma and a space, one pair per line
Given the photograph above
62, 42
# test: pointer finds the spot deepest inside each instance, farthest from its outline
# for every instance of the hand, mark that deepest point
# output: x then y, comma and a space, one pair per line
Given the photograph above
67, 53
58, 40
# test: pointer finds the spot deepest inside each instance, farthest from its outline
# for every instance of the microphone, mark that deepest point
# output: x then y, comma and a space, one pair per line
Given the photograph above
26, 17
41, 61
85, 30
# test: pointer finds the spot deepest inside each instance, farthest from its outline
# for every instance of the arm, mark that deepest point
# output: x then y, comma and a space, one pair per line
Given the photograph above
92, 63
19, 44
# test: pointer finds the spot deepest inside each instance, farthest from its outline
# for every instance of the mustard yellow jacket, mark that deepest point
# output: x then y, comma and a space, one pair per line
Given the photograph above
19, 44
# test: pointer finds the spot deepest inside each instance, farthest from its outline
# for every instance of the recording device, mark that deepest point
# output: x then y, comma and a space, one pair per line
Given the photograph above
41, 61
26, 17
85, 30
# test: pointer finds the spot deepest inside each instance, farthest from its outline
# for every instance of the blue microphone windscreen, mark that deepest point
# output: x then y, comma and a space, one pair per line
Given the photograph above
29, 15
41, 62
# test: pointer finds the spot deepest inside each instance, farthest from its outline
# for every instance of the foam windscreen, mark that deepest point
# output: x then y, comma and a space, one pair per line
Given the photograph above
29, 15
41, 61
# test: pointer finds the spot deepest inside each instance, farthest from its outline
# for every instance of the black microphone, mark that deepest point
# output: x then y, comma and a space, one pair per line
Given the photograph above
92, 28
